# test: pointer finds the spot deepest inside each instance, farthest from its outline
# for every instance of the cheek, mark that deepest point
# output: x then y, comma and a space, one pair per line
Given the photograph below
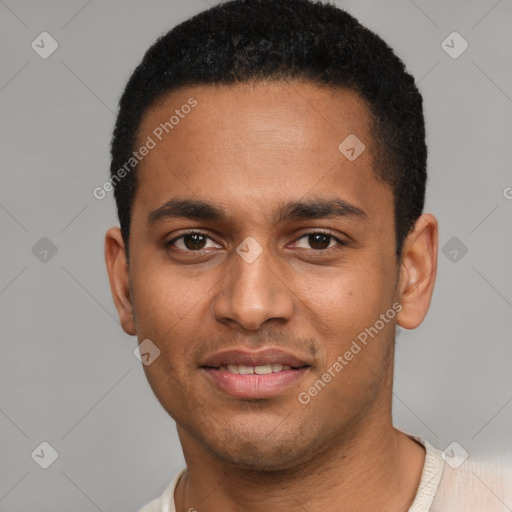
348, 312
168, 309
350, 299
166, 299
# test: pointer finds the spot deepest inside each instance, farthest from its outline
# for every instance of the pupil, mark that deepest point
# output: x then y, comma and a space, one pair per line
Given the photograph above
195, 241
319, 239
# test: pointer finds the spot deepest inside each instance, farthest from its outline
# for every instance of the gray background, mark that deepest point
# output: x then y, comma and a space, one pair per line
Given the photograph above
68, 375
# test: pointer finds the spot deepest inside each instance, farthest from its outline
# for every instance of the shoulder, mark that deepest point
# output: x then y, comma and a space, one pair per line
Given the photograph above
454, 484
165, 503
476, 485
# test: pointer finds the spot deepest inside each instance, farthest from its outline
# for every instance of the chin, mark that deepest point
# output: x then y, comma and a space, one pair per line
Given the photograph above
260, 449
271, 459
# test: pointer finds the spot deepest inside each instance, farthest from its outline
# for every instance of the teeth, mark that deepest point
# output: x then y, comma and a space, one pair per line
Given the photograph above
265, 369
245, 370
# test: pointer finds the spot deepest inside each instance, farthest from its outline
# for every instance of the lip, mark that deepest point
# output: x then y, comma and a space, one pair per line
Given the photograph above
249, 358
254, 386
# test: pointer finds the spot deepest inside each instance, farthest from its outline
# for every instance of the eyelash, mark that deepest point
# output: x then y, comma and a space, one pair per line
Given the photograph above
198, 232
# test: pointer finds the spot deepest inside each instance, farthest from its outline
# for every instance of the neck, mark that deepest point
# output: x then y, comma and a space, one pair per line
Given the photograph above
367, 468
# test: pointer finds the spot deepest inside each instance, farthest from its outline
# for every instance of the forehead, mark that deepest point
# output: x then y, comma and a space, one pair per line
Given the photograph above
254, 145
259, 110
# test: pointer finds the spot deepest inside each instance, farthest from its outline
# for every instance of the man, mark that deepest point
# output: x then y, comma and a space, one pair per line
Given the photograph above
269, 165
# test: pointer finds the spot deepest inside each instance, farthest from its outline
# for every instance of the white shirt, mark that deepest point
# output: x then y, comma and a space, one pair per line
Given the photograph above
468, 488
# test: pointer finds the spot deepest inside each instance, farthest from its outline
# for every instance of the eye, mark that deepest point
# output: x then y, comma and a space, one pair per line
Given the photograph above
192, 241
321, 241
195, 241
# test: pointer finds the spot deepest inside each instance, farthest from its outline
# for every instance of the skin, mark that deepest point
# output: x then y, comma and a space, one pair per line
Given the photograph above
251, 148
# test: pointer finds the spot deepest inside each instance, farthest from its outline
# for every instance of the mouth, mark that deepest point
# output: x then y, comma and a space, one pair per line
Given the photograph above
254, 375
262, 369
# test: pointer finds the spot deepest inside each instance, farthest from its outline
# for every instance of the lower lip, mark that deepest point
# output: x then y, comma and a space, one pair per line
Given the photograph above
255, 386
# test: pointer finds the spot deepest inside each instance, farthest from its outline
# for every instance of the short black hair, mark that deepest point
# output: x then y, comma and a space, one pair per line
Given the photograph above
259, 40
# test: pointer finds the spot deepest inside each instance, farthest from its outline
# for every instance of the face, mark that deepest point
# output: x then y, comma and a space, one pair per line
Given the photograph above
260, 255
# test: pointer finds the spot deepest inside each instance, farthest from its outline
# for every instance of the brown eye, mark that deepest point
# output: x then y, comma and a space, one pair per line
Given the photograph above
194, 242
320, 241
191, 242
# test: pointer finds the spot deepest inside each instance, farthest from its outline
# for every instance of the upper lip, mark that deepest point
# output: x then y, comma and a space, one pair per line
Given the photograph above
253, 358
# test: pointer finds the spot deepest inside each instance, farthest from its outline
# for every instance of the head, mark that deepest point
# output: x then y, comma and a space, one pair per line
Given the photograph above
277, 206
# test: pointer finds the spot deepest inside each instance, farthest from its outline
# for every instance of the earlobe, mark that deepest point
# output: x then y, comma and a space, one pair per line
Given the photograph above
418, 272
117, 268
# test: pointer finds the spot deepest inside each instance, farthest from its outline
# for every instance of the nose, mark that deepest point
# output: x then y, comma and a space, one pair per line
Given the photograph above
253, 292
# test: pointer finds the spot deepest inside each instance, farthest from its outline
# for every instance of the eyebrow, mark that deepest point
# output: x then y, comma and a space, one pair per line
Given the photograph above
295, 210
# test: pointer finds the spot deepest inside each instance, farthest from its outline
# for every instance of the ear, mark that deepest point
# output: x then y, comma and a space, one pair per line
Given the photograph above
117, 268
418, 272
